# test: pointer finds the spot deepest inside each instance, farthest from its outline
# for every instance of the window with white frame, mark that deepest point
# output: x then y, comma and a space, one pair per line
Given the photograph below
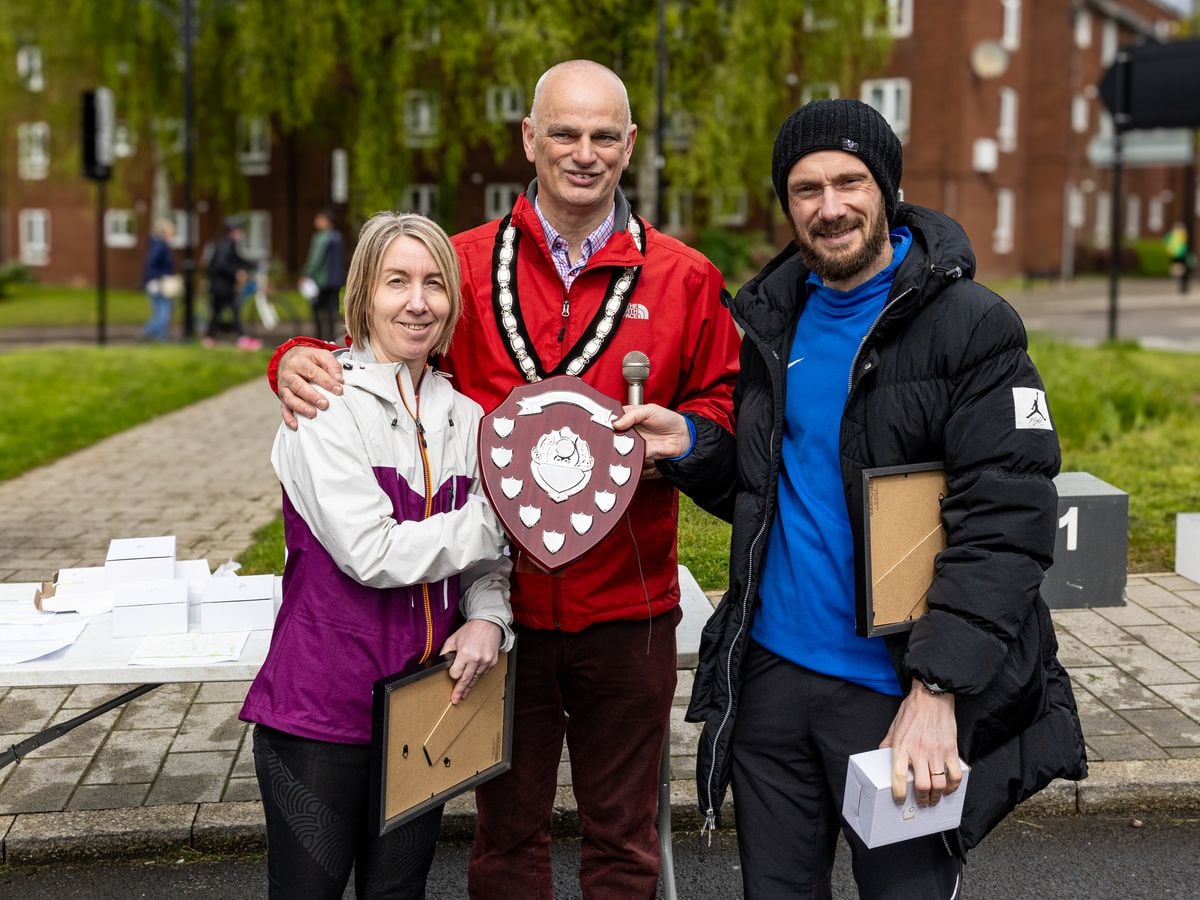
1006, 133
422, 198
1079, 113
815, 22
680, 203
505, 104
168, 135
1109, 39
29, 67
1133, 217
1155, 210
124, 140
819, 90
1010, 34
1100, 228
420, 118
1075, 207
896, 19
498, 199
339, 175
729, 207
1104, 122
120, 228
426, 33
33, 151
182, 231
256, 245
33, 236
1083, 28
1002, 237
892, 98
254, 145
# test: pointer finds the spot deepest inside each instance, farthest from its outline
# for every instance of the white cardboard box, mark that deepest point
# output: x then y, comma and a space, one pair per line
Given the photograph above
140, 559
97, 576
150, 607
238, 603
869, 809
1187, 545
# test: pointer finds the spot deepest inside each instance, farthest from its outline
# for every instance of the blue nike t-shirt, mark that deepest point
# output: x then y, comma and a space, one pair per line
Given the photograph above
806, 608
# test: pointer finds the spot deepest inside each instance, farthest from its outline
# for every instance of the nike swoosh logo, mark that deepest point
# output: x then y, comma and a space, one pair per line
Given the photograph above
794, 361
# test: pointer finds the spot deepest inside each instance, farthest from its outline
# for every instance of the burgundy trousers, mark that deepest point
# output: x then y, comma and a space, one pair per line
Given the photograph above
608, 690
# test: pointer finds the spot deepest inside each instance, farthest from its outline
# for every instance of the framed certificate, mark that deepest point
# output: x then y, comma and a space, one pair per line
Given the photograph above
902, 536
424, 750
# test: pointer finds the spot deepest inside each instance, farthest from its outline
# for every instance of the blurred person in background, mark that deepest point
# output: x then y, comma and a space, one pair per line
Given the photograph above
159, 281
227, 269
327, 272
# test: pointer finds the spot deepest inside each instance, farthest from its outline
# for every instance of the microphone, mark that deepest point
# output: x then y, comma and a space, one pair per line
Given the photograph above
635, 369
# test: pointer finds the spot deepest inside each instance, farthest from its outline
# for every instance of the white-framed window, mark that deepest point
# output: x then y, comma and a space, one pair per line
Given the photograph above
498, 199
124, 140
819, 90
168, 134
1079, 113
1100, 228
680, 205
33, 236
1109, 40
1010, 33
1006, 132
427, 33
120, 228
892, 98
420, 118
1076, 214
1155, 210
505, 104
813, 21
1133, 217
256, 245
1002, 237
182, 229
1083, 28
33, 151
1104, 122
29, 67
339, 175
897, 19
422, 198
254, 145
729, 207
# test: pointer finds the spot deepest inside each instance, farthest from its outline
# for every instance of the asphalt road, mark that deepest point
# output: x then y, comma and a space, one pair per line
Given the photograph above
1067, 859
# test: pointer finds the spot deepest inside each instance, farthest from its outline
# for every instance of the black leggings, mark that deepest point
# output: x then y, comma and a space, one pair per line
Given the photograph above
315, 798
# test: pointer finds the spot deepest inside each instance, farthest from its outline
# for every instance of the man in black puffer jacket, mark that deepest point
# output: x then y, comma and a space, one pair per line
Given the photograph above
867, 344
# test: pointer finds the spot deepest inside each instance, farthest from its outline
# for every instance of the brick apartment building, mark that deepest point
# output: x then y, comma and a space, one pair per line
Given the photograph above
995, 101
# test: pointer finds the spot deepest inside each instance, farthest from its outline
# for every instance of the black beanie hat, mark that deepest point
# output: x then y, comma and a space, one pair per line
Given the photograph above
847, 125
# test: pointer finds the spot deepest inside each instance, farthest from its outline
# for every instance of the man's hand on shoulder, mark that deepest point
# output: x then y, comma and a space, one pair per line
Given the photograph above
299, 369
924, 738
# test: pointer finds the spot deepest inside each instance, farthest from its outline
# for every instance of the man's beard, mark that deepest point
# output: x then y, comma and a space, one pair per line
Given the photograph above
838, 267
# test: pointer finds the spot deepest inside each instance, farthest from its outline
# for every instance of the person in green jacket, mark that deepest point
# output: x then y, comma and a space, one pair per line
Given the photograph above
326, 269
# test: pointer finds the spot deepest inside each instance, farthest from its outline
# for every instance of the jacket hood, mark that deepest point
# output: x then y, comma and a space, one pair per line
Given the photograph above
766, 305
361, 371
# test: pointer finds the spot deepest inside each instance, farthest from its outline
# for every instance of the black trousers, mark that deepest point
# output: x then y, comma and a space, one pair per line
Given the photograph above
325, 313
315, 799
223, 303
794, 732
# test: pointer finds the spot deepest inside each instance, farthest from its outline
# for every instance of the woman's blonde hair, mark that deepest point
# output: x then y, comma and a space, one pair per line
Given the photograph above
376, 236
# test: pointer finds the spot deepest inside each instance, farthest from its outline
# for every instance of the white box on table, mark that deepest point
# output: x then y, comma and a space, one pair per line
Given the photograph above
96, 576
238, 603
140, 559
151, 607
869, 809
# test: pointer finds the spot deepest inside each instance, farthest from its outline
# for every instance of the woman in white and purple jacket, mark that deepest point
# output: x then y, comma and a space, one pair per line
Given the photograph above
394, 555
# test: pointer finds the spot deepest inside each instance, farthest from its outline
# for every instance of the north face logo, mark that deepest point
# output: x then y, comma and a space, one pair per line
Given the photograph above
636, 311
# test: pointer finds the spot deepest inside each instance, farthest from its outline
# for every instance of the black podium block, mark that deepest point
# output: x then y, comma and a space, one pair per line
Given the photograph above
1091, 548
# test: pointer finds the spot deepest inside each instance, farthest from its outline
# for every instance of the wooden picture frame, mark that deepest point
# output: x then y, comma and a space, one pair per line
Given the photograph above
902, 536
425, 751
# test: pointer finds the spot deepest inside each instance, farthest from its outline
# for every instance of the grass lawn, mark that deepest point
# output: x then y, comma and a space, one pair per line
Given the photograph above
1131, 417
33, 305
58, 400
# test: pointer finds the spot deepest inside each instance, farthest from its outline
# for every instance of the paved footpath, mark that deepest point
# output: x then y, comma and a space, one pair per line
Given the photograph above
173, 769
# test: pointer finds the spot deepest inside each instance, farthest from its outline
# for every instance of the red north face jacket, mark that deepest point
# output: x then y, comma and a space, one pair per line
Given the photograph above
675, 316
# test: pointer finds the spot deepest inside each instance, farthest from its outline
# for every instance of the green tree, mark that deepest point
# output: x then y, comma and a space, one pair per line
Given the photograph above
342, 72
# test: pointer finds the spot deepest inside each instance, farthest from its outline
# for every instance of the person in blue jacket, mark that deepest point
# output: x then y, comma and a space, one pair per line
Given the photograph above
157, 278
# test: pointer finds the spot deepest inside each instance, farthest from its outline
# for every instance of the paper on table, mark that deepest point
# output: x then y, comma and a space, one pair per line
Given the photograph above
189, 649
27, 637
18, 593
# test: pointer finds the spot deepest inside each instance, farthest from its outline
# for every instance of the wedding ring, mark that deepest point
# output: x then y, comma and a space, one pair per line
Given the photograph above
943, 772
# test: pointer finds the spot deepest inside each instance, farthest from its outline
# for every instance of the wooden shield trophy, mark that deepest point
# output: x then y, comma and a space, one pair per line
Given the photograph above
556, 473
